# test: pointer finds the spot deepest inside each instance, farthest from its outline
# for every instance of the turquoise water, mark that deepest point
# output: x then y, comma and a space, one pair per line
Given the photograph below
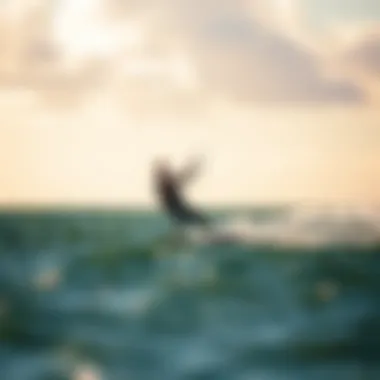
100, 295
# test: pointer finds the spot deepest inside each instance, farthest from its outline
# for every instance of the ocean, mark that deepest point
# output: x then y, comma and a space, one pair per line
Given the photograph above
105, 295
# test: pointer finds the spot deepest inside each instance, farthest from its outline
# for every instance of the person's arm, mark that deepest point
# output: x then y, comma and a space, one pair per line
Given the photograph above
188, 172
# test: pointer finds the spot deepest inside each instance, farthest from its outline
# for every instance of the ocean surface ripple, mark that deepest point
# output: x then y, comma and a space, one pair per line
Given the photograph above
106, 295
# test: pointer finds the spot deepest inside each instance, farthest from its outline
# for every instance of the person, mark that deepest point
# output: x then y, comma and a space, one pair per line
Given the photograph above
169, 190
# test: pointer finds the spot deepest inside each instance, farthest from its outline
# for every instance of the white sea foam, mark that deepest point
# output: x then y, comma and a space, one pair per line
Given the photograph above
303, 227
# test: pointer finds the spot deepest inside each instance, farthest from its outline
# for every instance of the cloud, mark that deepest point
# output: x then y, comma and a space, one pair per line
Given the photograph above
237, 57
253, 64
231, 55
365, 54
242, 59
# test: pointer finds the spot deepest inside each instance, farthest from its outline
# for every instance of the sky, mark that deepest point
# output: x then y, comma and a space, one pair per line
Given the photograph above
280, 98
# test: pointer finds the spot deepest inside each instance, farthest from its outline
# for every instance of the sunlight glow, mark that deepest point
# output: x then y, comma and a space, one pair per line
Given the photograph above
81, 32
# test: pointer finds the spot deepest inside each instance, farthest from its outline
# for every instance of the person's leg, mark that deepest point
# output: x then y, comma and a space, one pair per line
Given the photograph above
187, 217
198, 219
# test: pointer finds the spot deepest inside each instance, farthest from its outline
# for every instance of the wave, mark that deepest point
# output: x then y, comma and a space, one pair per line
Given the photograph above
302, 227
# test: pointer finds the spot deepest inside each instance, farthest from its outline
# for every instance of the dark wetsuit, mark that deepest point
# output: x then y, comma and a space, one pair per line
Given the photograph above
168, 188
